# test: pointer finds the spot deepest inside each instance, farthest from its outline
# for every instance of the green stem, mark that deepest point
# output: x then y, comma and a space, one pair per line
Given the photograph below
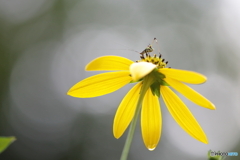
147, 81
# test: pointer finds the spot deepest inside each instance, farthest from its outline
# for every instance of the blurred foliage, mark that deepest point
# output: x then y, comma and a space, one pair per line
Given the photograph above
5, 142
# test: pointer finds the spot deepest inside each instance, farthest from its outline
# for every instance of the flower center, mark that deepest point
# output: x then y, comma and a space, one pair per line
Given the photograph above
154, 60
154, 73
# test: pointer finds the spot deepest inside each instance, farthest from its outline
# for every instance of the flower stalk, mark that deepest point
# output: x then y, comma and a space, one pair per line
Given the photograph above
147, 82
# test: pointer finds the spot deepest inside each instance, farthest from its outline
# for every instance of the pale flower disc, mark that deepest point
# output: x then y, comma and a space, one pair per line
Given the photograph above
140, 69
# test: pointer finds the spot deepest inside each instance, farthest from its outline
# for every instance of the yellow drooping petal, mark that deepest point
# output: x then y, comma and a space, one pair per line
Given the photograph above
141, 69
100, 84
151, 120
182, 114
109, 63
190, 93
183, 75
126, 111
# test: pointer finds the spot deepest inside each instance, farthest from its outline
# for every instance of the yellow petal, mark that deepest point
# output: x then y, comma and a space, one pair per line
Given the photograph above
182, 114
151, 120
100, 84
189, 93
126, 111
183, 75
109, 63
140, 69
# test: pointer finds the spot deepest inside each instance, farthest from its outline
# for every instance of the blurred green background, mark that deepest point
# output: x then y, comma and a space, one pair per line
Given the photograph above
45, 45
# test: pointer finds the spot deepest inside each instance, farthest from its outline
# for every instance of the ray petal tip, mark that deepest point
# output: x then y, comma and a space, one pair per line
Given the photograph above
203, 138
201, 79
209, 105
205, 141
69, 92
87, 67
151, 148
116, 135
212, 107
204, 78
116, 132
72, 95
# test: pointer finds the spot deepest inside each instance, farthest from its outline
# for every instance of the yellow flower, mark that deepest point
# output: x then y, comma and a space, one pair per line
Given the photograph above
127, 71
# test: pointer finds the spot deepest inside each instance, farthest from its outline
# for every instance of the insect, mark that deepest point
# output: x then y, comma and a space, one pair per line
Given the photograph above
149, 48
157, 60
